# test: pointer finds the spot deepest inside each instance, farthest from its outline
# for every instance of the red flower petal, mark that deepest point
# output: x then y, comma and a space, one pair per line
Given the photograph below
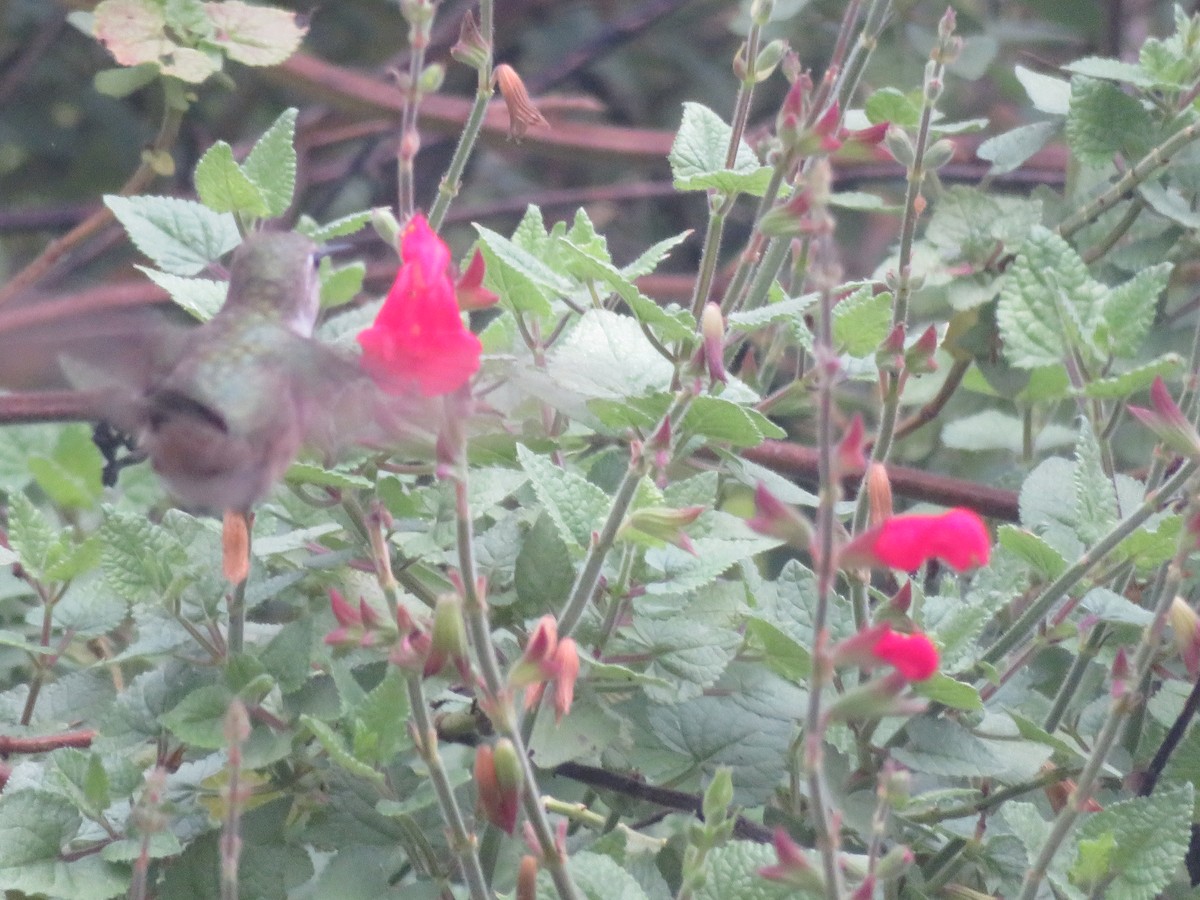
418, 342
958, 538
913, 655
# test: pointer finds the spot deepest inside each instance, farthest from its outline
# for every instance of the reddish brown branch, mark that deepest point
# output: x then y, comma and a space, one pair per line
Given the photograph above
801, 463
44, 744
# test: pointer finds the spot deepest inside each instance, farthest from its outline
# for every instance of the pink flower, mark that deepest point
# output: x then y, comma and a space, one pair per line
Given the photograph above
958, 538
418, 341
469, 291
912, 655
546, 659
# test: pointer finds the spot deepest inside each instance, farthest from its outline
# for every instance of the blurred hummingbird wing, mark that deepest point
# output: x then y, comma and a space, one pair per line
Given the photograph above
344, 406
119, 349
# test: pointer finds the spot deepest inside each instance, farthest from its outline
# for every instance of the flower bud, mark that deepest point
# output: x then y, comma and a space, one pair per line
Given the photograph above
662, 524
900, 145
761, 10
938, 154
469, 290
383, 220
431, 78
448, 638
522, 114
527, 878
566, 665
879, 493
498, 779
712, 329
769, 58
879, 698
894, 863
1121, 673
536, 663
1168, 422
1185, 628
472, 49
918, 359
792, 867
775, 518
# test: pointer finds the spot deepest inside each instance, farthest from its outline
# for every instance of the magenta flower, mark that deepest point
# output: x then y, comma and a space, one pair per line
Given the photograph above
958, 538
418, 342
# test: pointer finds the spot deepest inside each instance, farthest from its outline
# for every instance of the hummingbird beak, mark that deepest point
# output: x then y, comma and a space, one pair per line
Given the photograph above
332, 249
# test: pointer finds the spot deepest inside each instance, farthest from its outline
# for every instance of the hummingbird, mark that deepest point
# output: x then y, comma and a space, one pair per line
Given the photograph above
222, 409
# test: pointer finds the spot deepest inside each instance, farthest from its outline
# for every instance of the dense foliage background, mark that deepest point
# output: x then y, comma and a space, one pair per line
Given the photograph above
664, 468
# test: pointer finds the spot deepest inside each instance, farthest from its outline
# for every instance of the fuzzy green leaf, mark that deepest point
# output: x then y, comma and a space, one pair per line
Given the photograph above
224, 187
1104, 121
1048, 302
861, 321
698, 156
271, 163
575, 504
181, 236
201, 297
1129, 309
1149, 839
199, 719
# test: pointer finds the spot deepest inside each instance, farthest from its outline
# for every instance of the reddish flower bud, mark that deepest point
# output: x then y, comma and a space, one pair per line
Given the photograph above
1121, 673
850, 455
527, 878
958, 538
872, 135
418, 342
566, 661
448, 638
793, 867
1167, 421
919, 357
1185, 627
776, 519
879, 493
469, 290
537, 662
522, 114
914, 656
712, 329
345, 614
498, 780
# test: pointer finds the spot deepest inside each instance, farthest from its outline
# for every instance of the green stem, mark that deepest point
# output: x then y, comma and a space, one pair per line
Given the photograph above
1121, 705
829, 491
503, 713
452, 181
1066, 691
1064, 583
1145, 168
462, 842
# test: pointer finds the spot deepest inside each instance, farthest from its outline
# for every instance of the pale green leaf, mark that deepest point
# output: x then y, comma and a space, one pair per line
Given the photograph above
698, 155
861, 321
1047, 93
201, 297
1008, 152
255, 35
1127, 383
575, 504
224, 187
1041, 557
271, 163
1109, 70
1150, 838
181, 236
1096, 107
1048, 302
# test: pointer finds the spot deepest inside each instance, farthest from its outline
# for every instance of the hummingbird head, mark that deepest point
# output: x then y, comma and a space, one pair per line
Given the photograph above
275, 273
